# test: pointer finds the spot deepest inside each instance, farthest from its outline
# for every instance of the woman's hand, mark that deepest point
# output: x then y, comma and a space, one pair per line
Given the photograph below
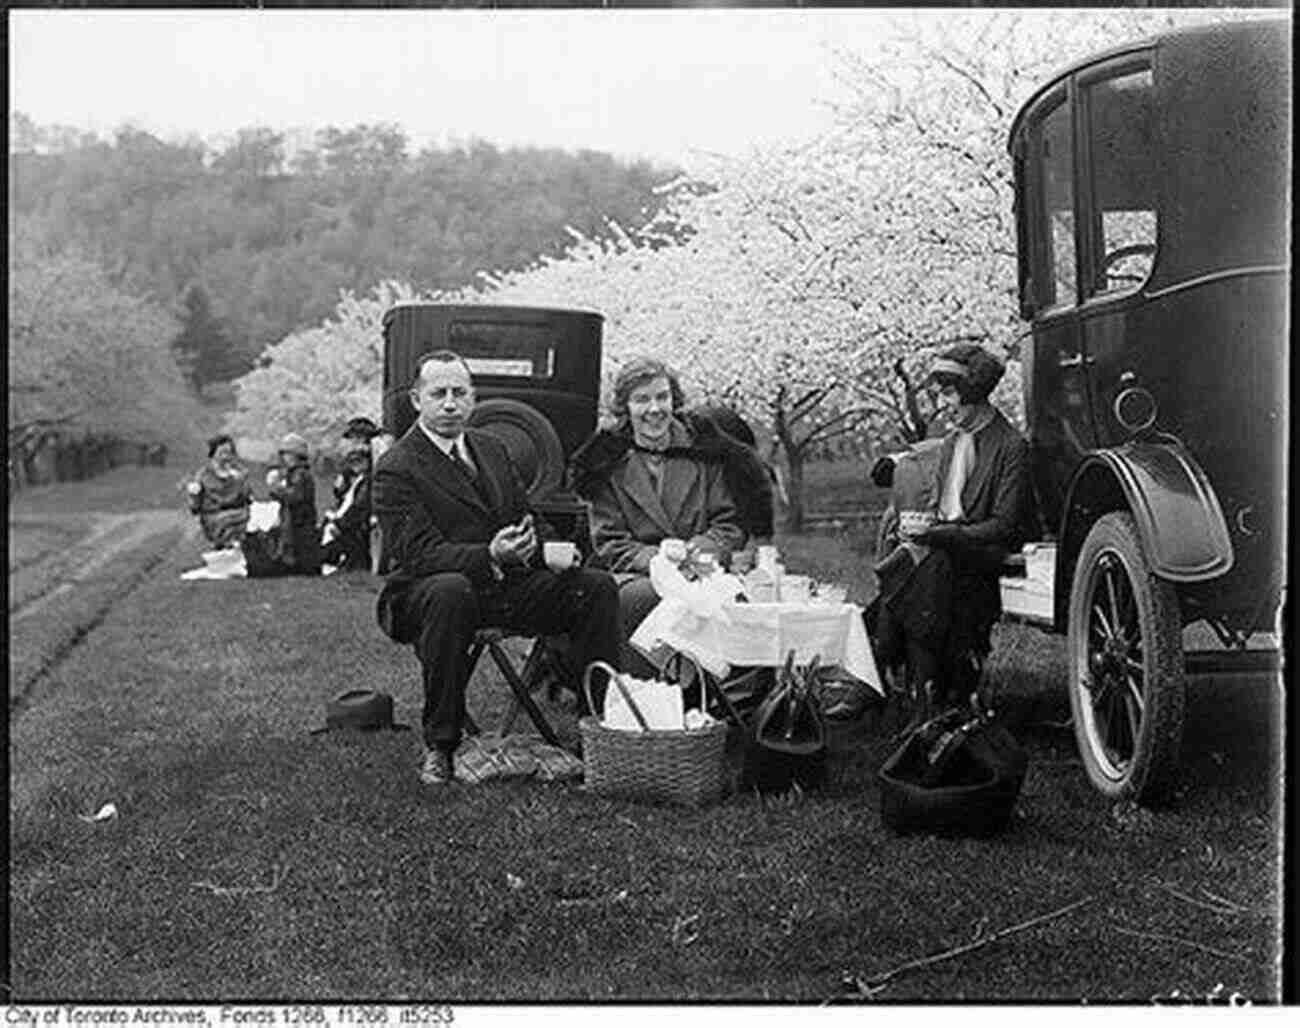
944, 535
703, 544
675, 551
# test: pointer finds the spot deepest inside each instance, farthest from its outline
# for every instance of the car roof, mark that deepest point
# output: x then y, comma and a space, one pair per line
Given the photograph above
1215, 29
485, 307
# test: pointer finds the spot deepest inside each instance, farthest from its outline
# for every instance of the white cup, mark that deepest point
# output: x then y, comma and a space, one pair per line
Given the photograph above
674, 550
560, 555
796, 588
832, 594
913, 522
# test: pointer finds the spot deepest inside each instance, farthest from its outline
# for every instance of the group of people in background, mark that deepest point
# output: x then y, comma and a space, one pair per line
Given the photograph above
299, 543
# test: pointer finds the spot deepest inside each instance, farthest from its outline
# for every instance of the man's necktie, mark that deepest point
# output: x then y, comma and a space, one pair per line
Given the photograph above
476, 481
460, 462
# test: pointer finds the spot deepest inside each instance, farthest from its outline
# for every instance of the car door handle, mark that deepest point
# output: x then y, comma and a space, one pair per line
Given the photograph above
1077, 360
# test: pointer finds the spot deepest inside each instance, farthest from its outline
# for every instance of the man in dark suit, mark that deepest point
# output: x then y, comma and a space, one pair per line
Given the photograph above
460, 553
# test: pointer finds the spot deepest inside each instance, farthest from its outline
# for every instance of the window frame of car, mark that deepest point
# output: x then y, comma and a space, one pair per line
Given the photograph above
1091, 243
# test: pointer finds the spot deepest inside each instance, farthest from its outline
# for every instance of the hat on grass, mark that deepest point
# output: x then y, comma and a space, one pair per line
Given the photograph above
362, 710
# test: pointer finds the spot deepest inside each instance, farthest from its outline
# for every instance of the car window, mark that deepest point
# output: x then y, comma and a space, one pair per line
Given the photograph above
1122, 180
508, 348
1055, 152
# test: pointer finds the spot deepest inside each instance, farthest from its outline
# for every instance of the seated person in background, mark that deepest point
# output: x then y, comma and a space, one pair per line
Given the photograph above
296, 546
939, 567
651, 478
220, 494
461, 553
345, 536
750, 479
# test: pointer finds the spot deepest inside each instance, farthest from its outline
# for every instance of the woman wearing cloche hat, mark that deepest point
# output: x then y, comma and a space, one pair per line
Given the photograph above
345, 534
940, 611
297, 546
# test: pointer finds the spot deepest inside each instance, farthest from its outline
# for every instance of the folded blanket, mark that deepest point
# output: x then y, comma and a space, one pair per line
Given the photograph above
483, 757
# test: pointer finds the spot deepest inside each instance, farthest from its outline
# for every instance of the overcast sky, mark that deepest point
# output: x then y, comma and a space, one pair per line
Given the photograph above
656, 84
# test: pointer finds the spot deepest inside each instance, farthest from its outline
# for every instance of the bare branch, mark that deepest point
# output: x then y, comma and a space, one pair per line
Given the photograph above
1219, 899
1214, 908
807, 402
880, 979
244, 890
823, 437
1161, 937
820, 431
969, 77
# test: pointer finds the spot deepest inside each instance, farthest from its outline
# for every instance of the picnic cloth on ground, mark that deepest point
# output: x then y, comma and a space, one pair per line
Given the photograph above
218, 564
482, 757
721, 633
229, 563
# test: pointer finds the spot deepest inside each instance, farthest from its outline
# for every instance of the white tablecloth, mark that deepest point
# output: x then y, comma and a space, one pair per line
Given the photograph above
761, 634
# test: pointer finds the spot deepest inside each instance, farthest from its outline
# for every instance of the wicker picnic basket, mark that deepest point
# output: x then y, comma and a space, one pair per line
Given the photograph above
665, 766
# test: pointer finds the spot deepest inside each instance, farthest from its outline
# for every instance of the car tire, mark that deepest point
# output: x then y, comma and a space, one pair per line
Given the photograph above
529, 438
1126, 666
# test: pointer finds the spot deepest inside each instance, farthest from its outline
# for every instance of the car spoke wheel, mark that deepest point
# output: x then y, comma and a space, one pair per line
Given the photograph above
1126, 675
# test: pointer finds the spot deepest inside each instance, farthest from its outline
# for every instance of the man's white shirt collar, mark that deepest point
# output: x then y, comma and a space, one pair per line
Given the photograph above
445, 444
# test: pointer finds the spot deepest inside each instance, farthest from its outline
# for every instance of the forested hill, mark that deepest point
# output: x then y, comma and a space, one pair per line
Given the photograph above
263, 240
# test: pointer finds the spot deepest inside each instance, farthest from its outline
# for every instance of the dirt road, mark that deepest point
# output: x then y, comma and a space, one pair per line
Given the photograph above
65, 573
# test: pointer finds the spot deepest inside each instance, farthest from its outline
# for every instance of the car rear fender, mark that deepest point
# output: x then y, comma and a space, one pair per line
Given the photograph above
1179, 521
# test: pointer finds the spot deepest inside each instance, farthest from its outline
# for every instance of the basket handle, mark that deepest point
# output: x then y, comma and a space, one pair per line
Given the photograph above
617, 681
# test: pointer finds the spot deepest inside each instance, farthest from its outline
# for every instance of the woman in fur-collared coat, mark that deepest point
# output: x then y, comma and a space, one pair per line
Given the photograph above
654, 477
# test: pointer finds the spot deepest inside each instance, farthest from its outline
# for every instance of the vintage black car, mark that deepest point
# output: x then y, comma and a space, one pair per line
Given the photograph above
1153, 213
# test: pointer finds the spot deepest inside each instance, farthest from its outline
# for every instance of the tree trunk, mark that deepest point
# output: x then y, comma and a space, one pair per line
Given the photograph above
39, 465
913, 423
794, 457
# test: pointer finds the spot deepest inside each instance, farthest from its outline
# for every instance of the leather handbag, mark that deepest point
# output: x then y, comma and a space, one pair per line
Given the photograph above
956, 774
787, 746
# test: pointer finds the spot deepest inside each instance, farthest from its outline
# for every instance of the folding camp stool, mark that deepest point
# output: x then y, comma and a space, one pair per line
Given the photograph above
522, 681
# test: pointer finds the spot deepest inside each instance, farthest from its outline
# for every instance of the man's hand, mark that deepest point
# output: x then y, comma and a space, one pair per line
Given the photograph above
514, 544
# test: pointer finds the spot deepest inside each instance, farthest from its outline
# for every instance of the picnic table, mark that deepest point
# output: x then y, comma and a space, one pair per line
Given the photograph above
723, 635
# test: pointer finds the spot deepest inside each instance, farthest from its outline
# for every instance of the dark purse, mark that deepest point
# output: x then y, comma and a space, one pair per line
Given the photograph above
260, 554
787, 746
957, 774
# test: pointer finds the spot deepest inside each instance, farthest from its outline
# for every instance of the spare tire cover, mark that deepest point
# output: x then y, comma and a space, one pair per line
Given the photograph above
528, 437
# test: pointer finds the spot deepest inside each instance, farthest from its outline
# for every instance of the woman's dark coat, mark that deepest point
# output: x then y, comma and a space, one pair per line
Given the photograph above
629, 518
222, 504
963, 592
297, 536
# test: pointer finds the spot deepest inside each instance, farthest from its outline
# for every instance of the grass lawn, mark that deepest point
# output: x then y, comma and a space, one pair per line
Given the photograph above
252, 860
